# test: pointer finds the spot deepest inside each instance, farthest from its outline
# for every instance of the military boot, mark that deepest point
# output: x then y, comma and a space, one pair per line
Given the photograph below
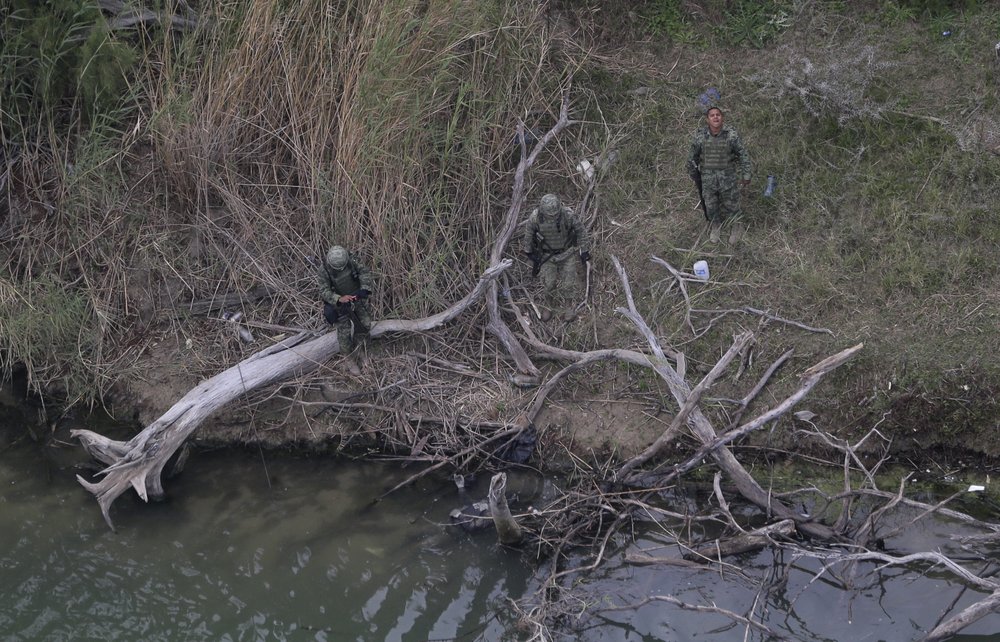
716, 232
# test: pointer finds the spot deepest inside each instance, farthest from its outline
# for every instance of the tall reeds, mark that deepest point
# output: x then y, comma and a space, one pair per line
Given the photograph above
377, 124
242, 150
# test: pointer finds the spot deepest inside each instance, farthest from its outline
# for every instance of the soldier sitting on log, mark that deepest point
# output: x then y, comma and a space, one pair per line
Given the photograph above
345, 285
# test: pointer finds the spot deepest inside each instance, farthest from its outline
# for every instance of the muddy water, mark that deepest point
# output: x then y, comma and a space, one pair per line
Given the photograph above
281, 547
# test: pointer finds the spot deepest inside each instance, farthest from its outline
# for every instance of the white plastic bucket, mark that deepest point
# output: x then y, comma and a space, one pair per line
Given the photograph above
701, 270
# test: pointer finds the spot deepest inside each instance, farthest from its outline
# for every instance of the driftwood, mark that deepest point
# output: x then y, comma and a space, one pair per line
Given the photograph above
686, 408
702, 428
741, 543
127, 16
230, 300
736, 617
508, 530
598, 508
139, 462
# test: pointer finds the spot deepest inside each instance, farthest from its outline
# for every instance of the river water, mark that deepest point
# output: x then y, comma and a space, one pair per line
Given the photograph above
269, 546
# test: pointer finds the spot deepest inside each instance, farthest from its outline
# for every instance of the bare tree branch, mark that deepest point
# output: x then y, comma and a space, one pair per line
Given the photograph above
966, 617
760, 626
692, 401
139, 462
703, 430
496, 325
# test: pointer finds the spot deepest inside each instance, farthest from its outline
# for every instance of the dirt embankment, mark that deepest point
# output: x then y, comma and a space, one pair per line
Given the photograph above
878, 130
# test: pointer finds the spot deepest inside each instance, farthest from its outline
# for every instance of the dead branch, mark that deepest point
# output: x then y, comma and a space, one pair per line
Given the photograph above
649, 560
689, 404
723, 504
750, 396
761, 313
126, 17
760, 626
933, 558
139, 462
741, 543
507, 527
929, 508
966, 617
703, 430
511, 433
496, 325
710, 447
680, 284
550, 385
772, 317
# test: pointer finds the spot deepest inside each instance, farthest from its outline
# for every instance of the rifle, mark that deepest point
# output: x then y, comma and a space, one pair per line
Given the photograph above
539, 258
696, 176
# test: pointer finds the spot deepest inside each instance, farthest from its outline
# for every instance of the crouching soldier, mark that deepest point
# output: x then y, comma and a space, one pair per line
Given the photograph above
554, 240
345, 285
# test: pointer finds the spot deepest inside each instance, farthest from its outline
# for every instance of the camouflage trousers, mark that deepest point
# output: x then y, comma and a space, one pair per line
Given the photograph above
341, 315
721, 192
560, 279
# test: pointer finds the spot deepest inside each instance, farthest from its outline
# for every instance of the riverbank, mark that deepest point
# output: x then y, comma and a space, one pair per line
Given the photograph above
877, 126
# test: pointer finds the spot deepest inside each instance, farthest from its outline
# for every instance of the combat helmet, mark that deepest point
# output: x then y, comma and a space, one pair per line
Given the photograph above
337, 257
549, 205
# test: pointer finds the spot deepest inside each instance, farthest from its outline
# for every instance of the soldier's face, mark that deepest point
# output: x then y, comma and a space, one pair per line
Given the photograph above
714, 118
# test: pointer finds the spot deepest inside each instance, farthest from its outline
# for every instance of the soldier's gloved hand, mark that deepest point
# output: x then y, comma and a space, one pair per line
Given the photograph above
584, 257
362, 294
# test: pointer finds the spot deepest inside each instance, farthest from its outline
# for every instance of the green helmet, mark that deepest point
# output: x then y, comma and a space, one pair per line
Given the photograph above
549, 205
337, 257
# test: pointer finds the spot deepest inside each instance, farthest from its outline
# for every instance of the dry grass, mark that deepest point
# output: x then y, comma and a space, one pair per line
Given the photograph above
264, 138
255, 143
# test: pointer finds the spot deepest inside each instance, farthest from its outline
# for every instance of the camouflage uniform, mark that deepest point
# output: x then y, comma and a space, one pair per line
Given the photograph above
556, 237
341, 275
718, 158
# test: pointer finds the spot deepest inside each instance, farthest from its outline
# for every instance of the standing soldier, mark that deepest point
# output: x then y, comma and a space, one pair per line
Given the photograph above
345, 285
554, 239
717, 153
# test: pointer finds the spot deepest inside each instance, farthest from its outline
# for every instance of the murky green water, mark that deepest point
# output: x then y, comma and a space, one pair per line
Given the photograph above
282, 547
296, 552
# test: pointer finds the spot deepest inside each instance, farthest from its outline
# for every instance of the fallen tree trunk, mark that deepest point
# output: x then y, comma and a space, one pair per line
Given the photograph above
139, 462
742, 543
126, 17
702, 428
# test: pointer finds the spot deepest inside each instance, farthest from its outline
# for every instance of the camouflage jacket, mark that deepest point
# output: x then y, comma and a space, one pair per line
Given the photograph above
552, 235
353, 277
726, 146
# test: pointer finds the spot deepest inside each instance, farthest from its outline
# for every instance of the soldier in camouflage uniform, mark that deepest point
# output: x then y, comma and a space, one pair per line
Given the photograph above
554, 239
345, 285
719, 160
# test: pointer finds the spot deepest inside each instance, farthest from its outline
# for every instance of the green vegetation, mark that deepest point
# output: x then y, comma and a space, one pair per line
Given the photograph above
150, 167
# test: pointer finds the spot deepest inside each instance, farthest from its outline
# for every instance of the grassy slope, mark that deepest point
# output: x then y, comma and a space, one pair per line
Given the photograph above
882, 228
